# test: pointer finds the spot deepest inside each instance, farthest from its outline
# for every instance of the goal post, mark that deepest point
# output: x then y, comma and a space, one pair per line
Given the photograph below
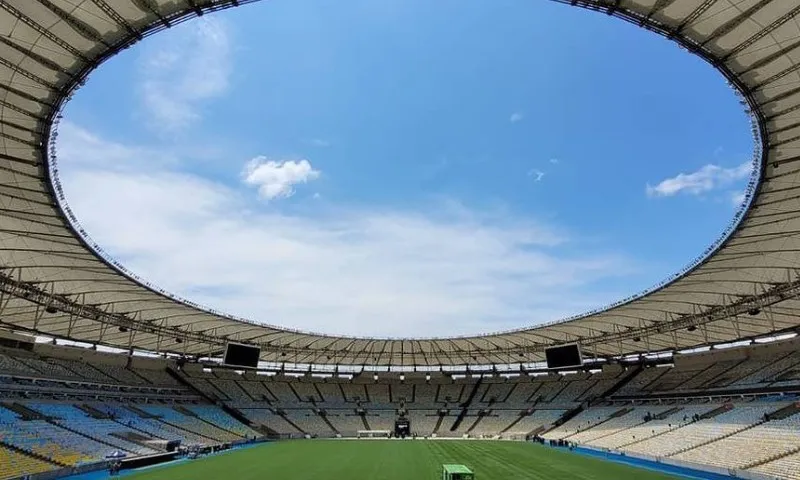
374, 433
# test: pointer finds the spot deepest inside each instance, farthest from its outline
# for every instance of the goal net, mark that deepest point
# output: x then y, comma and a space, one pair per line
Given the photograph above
374, 433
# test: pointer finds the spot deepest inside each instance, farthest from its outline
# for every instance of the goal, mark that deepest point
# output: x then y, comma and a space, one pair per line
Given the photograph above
374, 433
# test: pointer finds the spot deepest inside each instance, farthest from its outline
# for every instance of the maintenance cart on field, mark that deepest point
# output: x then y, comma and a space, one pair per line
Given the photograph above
457, 472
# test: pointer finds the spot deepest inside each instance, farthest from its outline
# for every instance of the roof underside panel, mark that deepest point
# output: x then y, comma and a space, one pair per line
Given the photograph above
55, 281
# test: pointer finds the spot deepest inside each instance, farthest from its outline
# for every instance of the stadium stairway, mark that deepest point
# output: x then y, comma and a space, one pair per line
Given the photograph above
622, 382
667, 413
785, 412
324, 416
188, 430
206, 421
717, 411
568, 415
438, 423
465, 406
141, 413
92, 412
617, 414
283, 415
235, 413
184, 411
481, 415
514, 423
364, 421
24, 412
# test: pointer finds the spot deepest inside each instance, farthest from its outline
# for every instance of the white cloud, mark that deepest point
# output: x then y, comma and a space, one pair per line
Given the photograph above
537, 174
706, 179
277, 179
516, 117
442, 270
554, 161
180, 71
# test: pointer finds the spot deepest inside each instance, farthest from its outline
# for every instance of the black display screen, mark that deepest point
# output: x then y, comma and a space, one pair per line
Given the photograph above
239, 355
564, 356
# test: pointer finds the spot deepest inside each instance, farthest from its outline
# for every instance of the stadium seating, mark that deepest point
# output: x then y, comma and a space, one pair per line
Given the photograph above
786, 467
698, 433
14, 464
219, 418
50, 441
346, 422
537, 420
192, 424
104, 431
673, 417
754, 445
271, 420
77, 411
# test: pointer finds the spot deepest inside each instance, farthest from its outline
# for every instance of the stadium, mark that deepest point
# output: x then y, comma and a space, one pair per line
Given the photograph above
696, 378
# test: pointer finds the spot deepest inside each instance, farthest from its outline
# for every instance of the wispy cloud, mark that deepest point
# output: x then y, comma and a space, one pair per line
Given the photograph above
320, 142
439, 270
516, 117
277, 179
180, 71
737, 198
555, 161
536, 174
709, 177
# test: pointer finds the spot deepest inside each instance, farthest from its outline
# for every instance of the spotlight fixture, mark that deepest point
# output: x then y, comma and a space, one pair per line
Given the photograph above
691, 328
637, 339
178, 340
50, 309
123, 329
754, 311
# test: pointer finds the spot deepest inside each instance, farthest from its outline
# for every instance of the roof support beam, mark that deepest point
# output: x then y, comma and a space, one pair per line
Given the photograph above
762, 33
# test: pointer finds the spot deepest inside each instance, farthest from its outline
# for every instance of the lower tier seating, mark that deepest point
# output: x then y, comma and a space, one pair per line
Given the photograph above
13, 464
787, 467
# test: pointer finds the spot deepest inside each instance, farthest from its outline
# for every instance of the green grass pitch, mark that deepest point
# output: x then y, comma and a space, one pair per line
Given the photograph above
396, 460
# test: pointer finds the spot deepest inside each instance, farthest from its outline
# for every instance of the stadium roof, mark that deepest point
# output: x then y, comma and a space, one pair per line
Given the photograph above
54, 281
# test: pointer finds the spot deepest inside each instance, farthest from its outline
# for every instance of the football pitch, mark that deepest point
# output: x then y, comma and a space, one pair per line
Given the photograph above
396, 460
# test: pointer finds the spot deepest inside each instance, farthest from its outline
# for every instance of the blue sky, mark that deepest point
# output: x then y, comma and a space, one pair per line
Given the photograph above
405, 167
